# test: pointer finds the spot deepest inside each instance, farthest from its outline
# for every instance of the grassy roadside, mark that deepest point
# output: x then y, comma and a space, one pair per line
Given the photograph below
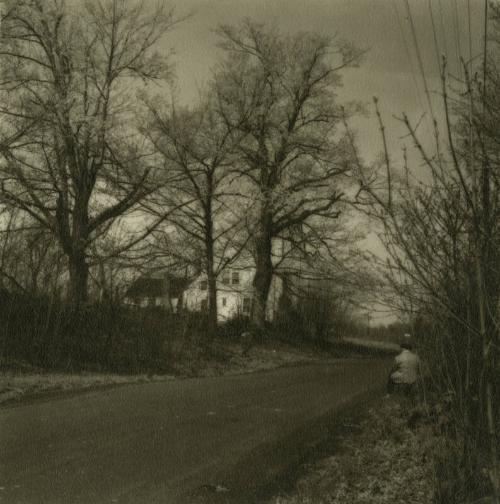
18, 386
20, 382
381, 458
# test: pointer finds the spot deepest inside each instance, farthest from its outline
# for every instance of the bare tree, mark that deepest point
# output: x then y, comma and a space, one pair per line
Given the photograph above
71, 156
441, 233
30, 261
279, 93
200, 150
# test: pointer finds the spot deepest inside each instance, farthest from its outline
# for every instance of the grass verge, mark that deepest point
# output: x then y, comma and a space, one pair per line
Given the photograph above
380, 459
20, 382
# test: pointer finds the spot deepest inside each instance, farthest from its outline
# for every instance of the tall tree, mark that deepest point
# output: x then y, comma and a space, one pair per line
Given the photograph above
200, 150
71, 156
278, 92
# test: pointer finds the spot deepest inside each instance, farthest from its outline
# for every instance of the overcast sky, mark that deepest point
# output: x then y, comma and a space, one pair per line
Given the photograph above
390, 70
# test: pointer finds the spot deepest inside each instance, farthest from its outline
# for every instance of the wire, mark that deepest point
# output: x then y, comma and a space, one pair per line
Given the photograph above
409, 56
456, 31
419, 59
434, 34
485, 50
470, 36
457, 23
443, 31
469, 91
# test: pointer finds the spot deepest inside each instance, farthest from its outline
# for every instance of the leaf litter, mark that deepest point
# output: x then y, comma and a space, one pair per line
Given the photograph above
380, 461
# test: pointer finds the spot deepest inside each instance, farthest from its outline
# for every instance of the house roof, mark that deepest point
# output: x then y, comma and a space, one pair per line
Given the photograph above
157, 287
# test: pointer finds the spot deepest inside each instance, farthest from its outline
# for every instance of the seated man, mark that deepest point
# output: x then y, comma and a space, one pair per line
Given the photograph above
405, 371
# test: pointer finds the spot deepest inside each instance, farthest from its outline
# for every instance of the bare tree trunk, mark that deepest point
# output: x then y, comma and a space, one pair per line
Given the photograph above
211, 275
485, 267
263, 271
488, 363
467, 434
78, 279
212, 297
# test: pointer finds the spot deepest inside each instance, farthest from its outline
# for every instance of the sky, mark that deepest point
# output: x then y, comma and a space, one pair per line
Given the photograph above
390, 70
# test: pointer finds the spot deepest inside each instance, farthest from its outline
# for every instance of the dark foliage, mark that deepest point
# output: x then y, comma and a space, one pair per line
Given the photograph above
234, 328
314, 320
100, 337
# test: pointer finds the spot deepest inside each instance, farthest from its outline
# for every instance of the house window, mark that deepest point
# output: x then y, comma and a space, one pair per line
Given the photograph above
247, 303
204, 305
224, 301
225, 277
203, 285
236, 278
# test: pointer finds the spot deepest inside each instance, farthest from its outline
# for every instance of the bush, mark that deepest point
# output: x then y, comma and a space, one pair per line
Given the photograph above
50, 334
315, 319
233, 328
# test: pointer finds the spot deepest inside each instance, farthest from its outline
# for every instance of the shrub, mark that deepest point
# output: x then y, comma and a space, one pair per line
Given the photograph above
233, 328
50, 334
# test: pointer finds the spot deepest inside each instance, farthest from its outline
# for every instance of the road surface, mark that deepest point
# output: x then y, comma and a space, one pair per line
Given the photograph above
156, 442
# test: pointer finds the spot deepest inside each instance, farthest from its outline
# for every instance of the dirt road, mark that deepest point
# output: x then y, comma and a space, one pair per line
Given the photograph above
155, 443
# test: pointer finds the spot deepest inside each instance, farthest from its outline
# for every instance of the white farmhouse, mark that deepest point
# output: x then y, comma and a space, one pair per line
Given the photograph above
162, 291
234, 293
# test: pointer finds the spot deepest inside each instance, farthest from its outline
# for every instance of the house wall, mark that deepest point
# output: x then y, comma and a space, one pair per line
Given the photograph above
195, 296
164, 301
144, 302
230, 304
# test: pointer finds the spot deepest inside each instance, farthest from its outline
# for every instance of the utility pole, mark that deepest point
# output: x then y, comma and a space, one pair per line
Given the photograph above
483, 244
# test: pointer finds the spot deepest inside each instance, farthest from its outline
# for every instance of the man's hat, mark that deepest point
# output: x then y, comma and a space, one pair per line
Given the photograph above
406, 342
